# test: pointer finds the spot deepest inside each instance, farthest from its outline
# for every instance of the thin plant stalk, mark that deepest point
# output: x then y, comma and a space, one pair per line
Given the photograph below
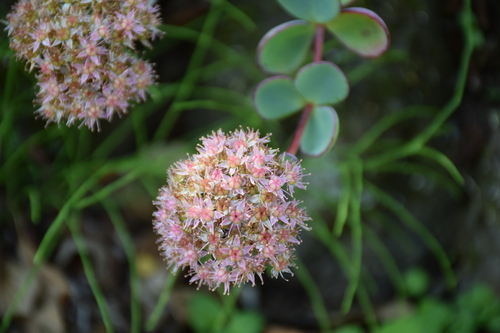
314, 294
416, 144
128, 246
229, 303
306, 114
162, 302
188, 82
356, 234
90, 274
412, 223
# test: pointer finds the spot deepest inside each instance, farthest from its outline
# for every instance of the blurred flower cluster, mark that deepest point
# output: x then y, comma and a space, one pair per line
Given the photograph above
82, 50
228, 211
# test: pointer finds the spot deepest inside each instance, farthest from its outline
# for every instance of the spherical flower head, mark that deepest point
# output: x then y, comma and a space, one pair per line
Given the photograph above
228, 211
81, 50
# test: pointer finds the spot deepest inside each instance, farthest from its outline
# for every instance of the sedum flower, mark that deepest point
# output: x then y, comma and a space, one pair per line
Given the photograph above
81, 49
228, 211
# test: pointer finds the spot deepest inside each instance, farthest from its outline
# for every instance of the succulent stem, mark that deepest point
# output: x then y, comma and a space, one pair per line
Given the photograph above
318, 52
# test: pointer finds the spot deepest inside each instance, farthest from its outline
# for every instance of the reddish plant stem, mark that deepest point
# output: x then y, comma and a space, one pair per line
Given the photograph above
294, 146
318, 42
318, 52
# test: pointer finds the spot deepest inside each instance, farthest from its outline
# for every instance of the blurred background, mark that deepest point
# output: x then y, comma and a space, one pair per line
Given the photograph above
429, 243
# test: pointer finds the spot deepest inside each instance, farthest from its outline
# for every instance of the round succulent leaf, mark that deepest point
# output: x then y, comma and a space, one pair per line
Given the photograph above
361, 30
345, 3
284, 48
319, 11
322, 82
276, 97
321, 131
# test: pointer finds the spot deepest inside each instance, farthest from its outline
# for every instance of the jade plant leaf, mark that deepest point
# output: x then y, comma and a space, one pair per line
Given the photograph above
321, 131
322, 83
346, 2
203, 311
361, 30
276, 97
320, 11
284, 48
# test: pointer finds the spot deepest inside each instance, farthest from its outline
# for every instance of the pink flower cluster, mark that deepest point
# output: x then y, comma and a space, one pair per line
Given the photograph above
82, 50
228, 211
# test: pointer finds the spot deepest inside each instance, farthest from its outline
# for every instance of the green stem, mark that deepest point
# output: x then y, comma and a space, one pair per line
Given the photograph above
418, 142
191, 76
162, 302
335, 248
356, 233
9, 314
128, 246
48, 242
90, 274
7, 112
387, 122
343, 204
416, 226
387, 260
314, 294
444, 161
106, 191
229, 304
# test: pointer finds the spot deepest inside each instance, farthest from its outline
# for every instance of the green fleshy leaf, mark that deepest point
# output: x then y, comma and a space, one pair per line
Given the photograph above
417, 282
319, 11
345, 3
284, 48
245, 322
322, 83
349, 329
277, 97
203, 311
321, 131
361, 30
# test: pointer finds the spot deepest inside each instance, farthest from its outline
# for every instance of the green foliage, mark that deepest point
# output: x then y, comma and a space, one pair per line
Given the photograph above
477, 309
318, 83
349, 329
245, 322
319, 11
277, 97
285, 47
361, 30
321, 131
207, 315
346, 2
417, 282
481, 304
203, 311
322, 83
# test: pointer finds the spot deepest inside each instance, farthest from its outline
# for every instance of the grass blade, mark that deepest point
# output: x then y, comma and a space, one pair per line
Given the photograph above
343, 204
444, 161
416, 226
128, 246
387, 261
162, 302
356, 234
90, 274
314, 294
